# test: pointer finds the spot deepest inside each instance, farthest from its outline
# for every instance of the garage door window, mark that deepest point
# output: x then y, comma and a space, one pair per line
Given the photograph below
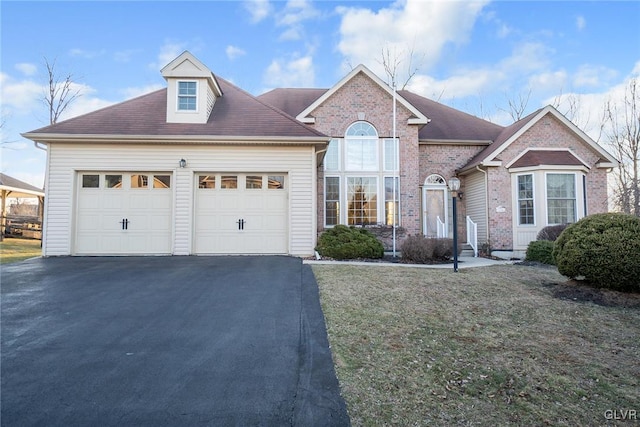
229, 182
90, 181
207, 181
113, 181
253, 182
276, 182
139, 181
162, 181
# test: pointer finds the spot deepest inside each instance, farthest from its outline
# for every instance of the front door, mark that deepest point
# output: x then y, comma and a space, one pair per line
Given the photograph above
434, 207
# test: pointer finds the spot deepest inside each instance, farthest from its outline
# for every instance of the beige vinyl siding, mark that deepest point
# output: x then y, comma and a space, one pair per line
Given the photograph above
475, 196
66, 159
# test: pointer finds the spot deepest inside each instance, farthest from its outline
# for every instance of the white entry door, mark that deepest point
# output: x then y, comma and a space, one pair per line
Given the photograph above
241, 213
435, 207
123, 213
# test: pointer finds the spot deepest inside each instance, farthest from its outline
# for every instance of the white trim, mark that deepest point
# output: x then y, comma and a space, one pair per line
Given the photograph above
196, 97
87, 139
575, 197
549, 167
305, 116
516, 208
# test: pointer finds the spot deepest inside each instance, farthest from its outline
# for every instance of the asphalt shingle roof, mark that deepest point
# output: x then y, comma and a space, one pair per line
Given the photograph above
236, 114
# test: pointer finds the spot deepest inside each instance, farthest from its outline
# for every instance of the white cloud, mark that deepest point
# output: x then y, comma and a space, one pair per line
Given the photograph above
87, 54
365, 32
26, 68
20, 96
298, 72
234, 52
588, 107
593, 76
527, 61
258, 9
293, 16
581, 23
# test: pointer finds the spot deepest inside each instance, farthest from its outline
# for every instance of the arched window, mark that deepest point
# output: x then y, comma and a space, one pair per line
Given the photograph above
434, 179
361, 129
361, 145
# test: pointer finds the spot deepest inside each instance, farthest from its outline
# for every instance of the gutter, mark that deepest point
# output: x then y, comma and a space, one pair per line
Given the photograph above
43, 148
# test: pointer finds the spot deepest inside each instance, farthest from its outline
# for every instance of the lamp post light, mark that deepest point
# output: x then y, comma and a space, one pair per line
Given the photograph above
454, 185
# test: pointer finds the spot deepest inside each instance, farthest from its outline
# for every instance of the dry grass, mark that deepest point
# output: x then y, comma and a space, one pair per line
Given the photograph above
13, 250
503, 345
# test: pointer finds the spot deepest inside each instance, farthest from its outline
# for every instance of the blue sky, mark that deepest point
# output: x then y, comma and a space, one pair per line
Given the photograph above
474, 56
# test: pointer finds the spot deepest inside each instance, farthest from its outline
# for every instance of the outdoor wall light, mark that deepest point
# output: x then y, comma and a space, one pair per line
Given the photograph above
183, 163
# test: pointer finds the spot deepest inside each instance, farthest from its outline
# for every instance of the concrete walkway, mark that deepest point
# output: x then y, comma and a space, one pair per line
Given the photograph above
463, 262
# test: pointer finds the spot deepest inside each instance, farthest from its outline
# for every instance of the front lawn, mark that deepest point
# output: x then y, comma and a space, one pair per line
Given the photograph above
504, 345
13, 250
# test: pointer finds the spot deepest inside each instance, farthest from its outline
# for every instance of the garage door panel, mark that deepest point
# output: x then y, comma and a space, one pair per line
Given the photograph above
264, 211
101, 210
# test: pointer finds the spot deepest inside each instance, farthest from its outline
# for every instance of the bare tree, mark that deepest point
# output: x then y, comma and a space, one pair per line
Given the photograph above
391, 63
621, 128
517, 106
571, 107
60, 93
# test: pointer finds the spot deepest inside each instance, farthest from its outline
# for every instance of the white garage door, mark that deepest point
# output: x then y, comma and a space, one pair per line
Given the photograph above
120, 213
241, 213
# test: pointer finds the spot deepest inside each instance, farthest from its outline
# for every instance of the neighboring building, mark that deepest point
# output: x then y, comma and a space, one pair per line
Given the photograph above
203, 167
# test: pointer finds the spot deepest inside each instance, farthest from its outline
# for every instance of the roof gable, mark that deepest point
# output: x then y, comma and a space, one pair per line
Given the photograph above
188, 66
306, 117
488, 156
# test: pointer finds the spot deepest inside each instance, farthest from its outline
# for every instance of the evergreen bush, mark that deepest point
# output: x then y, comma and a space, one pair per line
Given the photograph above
540, 251
342, 242
602, 248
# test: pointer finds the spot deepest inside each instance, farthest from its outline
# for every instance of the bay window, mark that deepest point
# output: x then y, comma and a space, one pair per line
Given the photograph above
561, 198
526, 213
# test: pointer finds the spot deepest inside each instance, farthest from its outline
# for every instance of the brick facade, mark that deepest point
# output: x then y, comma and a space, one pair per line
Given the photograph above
361, 98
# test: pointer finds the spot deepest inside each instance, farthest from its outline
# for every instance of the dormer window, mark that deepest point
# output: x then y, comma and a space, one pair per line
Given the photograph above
187, 96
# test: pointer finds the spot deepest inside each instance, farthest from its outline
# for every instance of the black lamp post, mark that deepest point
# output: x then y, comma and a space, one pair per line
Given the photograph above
454, 185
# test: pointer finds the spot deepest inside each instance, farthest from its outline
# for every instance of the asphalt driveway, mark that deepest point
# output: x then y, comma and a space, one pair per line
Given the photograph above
165, 341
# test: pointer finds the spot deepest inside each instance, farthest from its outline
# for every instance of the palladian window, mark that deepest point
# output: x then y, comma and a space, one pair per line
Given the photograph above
361, 175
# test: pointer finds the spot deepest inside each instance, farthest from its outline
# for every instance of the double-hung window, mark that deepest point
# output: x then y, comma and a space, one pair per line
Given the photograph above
561, 198
526, 213
187, 96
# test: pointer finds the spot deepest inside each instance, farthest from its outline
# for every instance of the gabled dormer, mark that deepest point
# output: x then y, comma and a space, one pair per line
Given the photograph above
192, 90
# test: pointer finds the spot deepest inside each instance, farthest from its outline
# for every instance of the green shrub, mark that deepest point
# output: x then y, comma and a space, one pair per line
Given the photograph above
540, 251
426, 250
342, 242
551, 232
602, 248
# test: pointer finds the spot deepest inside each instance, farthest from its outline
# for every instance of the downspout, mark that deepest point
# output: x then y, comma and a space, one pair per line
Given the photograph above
486, 187
314, 231
41, 200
